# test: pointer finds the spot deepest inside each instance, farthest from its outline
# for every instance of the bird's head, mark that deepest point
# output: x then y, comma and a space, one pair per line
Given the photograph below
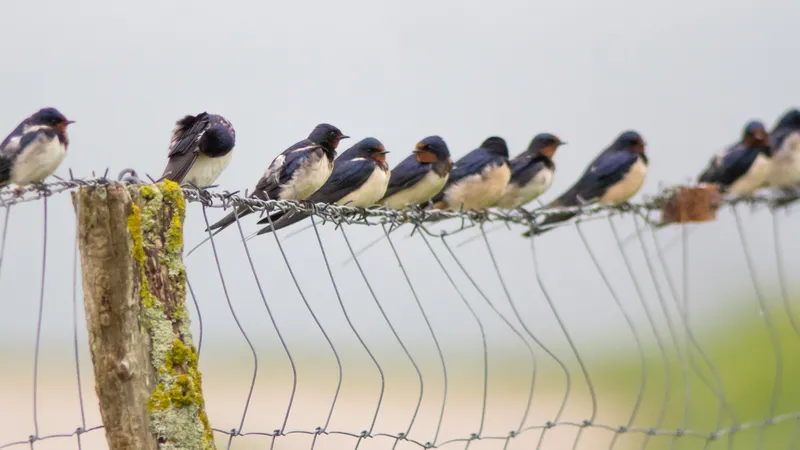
496, 146
630, 141
217, 140
545, 144
326, 135
754, 133
432, 149
790, 120
50, 117
368, 148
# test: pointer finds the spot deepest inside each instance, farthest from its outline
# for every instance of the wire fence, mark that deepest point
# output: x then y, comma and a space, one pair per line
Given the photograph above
614, 332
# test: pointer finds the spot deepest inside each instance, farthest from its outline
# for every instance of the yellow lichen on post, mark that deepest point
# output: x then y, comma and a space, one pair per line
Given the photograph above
176, 405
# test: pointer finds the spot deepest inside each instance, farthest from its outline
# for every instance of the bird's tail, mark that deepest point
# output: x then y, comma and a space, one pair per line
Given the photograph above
226, 221
281, 220
550, 221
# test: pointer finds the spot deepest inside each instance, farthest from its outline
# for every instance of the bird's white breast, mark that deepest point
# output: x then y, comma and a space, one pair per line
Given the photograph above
516, 195
785, 170
419, 193
38, 160
753, 178
205, 170
628, 186
370, 192
307, 178
479, 191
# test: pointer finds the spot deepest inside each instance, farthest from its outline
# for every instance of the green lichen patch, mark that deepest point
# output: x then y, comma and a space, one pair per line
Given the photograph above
176, 405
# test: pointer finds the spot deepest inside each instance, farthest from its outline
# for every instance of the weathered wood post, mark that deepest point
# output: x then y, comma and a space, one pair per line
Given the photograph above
134, 284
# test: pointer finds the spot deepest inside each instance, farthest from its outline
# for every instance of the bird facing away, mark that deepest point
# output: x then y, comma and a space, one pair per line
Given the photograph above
35, 149
785, 143
420, 176
531, 172
743, 168
478, 179
359, 179
296, 173
614, 176
200, 150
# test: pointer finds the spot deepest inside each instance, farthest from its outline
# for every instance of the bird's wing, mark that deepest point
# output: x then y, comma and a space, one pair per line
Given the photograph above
347, 176
283, 168
726, 168
607, 170
525, 167
5, 169
472, 163
13, 146
183, 149
406, 174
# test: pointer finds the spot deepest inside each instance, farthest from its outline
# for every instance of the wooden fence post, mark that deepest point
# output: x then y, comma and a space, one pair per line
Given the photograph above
134, 284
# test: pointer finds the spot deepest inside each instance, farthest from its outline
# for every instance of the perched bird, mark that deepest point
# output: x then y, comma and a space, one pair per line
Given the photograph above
420, 176
743, 168
35, 149
785, 143
297, 172
359, 179
531, 172
478, 179
612, 178
200, 150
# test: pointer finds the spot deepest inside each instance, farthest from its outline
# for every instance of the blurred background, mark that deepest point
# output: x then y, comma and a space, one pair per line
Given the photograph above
686, 75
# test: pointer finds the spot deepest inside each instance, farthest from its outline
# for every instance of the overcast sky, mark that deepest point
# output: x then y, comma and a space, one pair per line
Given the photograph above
685, 74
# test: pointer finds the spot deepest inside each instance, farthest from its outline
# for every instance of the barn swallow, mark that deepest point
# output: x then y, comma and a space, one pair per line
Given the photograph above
743, 168
785, 143
478, 179
297, 172
359, 179
420, 176
531, 172
200, 150
614, 176
35, 149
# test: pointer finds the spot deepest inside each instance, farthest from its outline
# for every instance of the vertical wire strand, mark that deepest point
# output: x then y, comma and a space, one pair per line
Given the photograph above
631, 326
238, 325
39, 327
352, 327
430, 329
650, 318
75, 316
690, 340
199, 317
571, 343
528, 331
670, 326
766, 317
480, 328
391, 327
5, 234
274, 323
316, 321
503, 319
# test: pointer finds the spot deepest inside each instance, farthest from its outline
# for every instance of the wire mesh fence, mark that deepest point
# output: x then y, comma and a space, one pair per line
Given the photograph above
432, 329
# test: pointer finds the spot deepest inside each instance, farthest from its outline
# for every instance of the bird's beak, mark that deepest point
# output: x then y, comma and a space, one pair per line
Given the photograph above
69, 122
383, 152
560, 143
344, 137
420, 147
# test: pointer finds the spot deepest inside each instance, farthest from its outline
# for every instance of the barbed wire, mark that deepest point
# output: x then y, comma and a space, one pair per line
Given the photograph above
693, 359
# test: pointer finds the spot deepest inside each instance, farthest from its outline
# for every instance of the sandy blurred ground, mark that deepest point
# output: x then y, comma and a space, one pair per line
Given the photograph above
226, 391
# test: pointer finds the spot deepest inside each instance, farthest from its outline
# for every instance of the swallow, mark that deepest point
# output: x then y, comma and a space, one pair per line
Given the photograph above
200, 150
785, 142
35, 149
614, 176
420, 176
478, 179
296, 173
531, 172
359, 179
742, 168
